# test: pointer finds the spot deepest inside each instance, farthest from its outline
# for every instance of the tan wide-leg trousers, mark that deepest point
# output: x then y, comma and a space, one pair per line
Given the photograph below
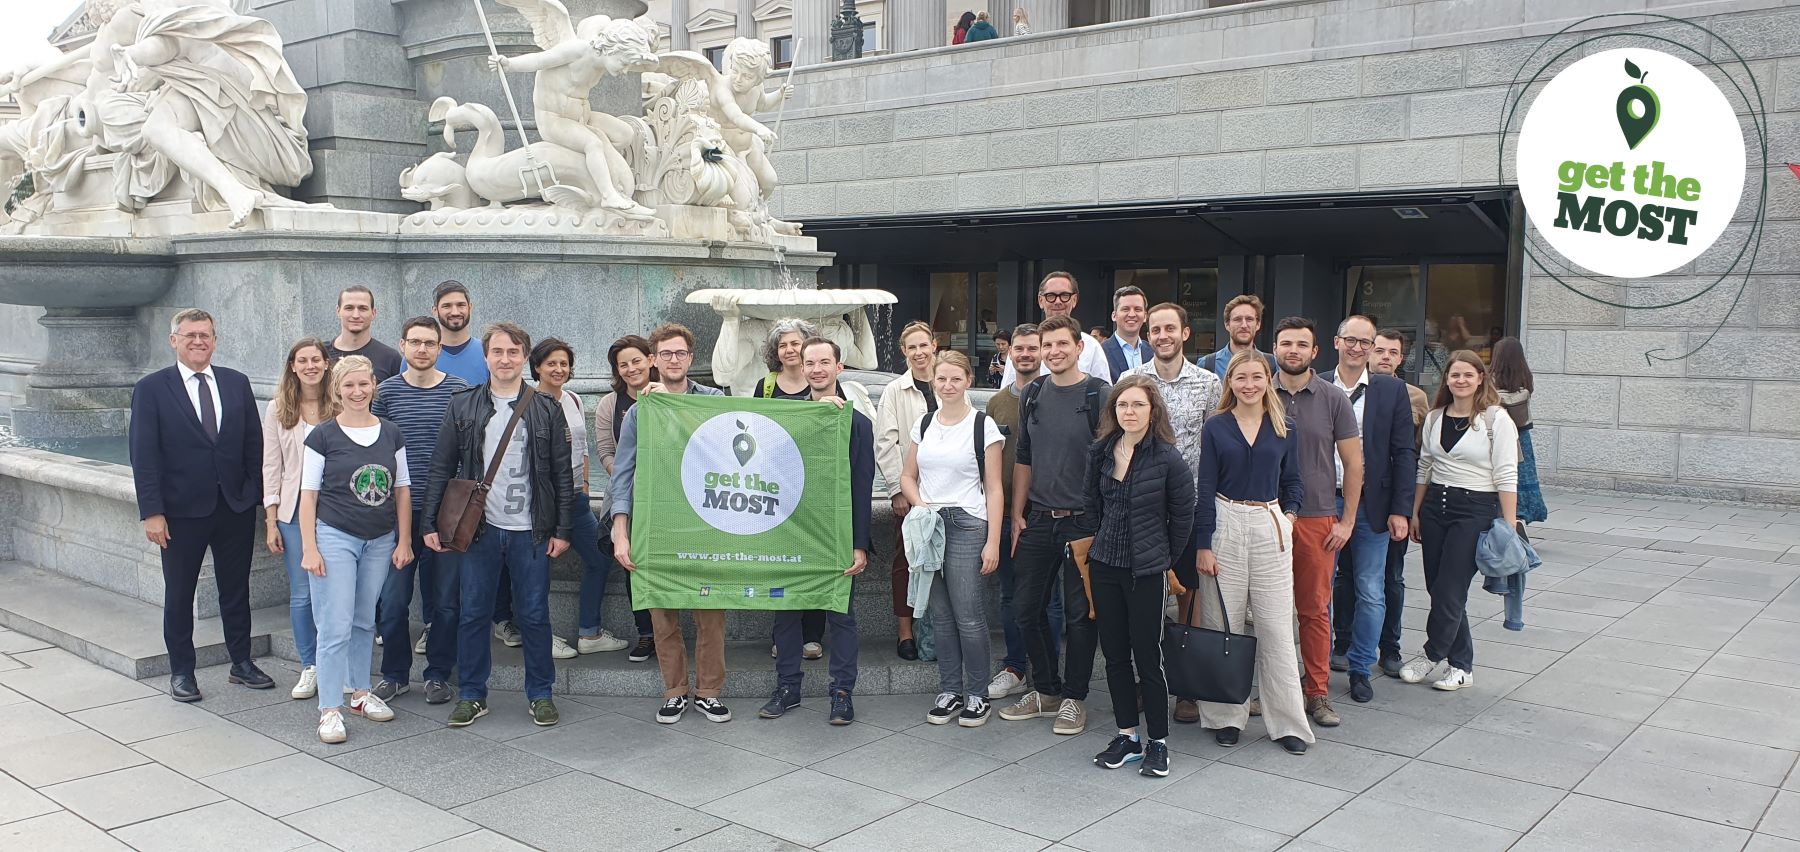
1255, 552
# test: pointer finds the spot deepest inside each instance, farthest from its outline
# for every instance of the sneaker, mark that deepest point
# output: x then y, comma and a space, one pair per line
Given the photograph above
388, 690
646, 648
842, 711
1319, 709
378, 640
774, 652
1454, 680
1156, 759
331, 727
560, 650
604, 643
437, 692
424, 637
1294, 745
507, 632
1390, 665
671, 711
1005, 684
467, 712
1254, 706
785, 698
308, 684
1030, 706
712, 709
1122, 750
1418, 670
975, 712
1071, 718
948, 706
371, 707
1187, 711
1361, 691
544, 713
1340, 662
812, 650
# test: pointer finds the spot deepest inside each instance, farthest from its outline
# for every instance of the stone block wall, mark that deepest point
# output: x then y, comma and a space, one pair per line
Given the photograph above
1332, 96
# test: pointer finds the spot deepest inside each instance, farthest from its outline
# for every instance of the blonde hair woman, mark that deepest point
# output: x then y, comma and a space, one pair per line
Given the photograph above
1247, 496
302, 402
356, 525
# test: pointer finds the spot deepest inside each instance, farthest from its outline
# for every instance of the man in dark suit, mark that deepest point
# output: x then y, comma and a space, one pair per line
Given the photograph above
196, 459
1390, 461
1126, 349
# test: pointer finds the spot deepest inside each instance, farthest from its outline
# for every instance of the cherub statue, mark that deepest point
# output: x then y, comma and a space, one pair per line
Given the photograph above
734, 96
572, 60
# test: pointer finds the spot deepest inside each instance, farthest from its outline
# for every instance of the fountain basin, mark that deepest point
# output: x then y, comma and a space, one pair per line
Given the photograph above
84, 272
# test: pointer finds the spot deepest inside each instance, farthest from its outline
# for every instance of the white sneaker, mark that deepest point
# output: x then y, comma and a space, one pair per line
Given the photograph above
419, 646
331, 727
775, 651
378, 641
308, 684
507, 633
371, 708
812, 650
1454, 680
1418, 670
600, 644
560, 649
1005, 684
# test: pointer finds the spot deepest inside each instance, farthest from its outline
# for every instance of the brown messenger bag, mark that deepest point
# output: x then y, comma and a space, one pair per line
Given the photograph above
465, 500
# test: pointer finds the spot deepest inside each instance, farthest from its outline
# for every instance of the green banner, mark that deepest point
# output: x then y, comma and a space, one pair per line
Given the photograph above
741, 504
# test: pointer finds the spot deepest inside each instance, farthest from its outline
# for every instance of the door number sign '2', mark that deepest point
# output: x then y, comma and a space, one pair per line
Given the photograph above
1631, 163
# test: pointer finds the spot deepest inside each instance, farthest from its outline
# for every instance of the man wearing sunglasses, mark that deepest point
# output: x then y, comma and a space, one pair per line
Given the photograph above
1058, 294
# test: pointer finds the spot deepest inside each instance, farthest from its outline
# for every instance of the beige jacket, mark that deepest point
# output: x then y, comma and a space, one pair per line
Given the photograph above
283, 450
902, 405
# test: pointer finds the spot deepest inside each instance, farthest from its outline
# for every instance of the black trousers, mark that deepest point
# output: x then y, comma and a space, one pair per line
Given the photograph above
1450, 522
1343, 600
1035, 567
230, 536
1130, 611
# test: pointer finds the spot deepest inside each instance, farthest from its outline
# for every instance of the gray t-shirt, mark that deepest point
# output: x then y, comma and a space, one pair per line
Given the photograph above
509, 500
1059, 443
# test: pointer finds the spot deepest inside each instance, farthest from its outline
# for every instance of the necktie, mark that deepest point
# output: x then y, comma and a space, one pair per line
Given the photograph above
209, 415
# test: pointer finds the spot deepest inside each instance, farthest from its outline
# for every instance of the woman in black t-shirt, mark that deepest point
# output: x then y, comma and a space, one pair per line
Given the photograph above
355, 523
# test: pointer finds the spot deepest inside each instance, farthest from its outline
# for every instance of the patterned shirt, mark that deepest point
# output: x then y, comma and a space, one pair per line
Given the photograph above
1191, 398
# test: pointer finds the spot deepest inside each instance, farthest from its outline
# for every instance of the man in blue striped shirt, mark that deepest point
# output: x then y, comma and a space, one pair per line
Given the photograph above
415, 401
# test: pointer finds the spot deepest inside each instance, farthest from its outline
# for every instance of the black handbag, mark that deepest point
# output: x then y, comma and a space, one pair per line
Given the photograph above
1209, 665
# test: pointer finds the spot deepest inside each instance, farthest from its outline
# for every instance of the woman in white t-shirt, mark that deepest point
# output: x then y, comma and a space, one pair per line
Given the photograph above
942, 472
1468, 475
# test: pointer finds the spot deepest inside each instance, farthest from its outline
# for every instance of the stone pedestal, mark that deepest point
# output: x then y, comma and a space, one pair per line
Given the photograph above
83, 387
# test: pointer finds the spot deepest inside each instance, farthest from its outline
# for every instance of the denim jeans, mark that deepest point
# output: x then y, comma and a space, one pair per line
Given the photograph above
1368, 549
958, 607
516, 552
300, 614
843, 647
1017, 658
343, 604
440, 646
596, 563
393, 619
1343, 591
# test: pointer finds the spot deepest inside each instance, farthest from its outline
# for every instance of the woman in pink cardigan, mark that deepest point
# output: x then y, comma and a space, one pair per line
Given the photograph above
300, 404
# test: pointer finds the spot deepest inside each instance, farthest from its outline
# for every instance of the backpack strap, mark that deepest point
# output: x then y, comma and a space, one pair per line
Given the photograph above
1093, 403
1209, 362
980, 450
768, 386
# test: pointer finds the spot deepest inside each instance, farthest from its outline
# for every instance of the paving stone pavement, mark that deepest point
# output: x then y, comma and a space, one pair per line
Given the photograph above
1648, 704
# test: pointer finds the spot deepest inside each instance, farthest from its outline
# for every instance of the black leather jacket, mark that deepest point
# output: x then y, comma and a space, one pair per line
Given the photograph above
459, 455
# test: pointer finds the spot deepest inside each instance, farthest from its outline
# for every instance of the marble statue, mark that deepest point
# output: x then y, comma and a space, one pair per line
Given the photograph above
572, 60
179, 92
746, 316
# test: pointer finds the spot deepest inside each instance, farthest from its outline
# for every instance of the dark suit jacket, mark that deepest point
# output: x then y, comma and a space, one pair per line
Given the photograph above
181, 473
1115, 355
1390, 460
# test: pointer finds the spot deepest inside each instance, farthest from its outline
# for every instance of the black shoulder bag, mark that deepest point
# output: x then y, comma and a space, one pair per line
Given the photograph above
1209, 665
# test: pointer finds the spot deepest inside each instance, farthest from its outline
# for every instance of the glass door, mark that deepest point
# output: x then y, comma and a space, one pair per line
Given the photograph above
1438, 307
963, 304
1194, 288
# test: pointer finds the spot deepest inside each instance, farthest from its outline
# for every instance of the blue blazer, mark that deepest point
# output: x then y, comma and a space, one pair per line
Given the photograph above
1390, 461
1115, 355
181, 473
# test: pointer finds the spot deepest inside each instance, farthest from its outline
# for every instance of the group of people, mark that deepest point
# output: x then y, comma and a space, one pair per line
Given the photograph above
975, 26
1119, 448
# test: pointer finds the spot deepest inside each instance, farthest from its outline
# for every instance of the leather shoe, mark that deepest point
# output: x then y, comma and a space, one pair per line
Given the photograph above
1294, 745
1226, 736
183, 688
907, 649
249, 675
1361, 691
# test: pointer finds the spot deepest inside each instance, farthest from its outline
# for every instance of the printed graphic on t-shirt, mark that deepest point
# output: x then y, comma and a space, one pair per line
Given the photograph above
372, 484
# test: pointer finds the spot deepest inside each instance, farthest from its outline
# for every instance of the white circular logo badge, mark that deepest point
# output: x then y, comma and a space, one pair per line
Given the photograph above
742, 473
1631, 163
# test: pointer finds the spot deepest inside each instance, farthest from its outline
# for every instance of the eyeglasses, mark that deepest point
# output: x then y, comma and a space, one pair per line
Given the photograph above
1356, 342
674, 355
1058, 298
195, 337
421, 344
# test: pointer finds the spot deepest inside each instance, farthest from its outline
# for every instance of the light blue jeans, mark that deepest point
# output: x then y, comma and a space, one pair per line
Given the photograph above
300, 614
343, 604
1368, 559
